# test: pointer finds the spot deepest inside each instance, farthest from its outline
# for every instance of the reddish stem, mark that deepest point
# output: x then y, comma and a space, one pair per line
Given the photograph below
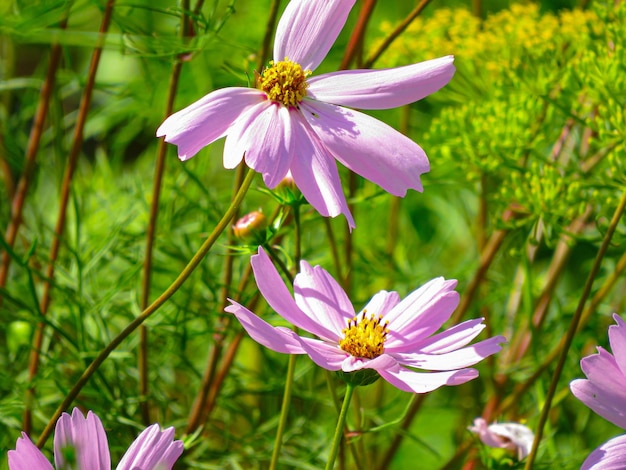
65, 195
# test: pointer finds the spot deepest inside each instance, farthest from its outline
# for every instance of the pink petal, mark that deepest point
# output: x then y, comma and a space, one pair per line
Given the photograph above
609, 456
382, 362
421, 313
382, 89
458, 359
266, 142
417, 382
604, 392
323, 300
239, 140
617, 338
208, 119
315, 173
27, 456
449, 340
326, 355
381, 303
511, 436
308, 29
278, 339
153, 448
278, 297
368, 146
87, 438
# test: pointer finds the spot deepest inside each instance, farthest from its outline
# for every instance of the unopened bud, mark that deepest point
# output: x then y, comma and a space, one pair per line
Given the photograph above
251, 226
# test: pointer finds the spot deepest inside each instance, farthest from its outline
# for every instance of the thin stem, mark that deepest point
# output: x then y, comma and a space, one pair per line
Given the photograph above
395, 33
159, 170
264, 53
197, 412
212, 379
332, 242
571, 332
284, 411
178, 282
406, 423
34, 139
72, 161
486, 258
355, 45
291, 367
339, 429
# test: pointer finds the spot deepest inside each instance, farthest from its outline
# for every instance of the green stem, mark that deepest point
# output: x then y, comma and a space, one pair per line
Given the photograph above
159, 170
291, 367
284, 410
339, 429
571, 332
182, 277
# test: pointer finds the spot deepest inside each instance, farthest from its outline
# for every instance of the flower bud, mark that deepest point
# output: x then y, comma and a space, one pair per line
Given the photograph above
251, 227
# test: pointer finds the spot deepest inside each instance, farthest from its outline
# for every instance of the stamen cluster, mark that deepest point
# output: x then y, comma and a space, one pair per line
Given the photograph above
284, 82
365, 336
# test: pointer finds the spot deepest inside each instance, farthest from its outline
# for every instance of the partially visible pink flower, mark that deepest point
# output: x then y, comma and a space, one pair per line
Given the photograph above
511, 436
292, 122
604, 391
609, 456
84, 443
391, 336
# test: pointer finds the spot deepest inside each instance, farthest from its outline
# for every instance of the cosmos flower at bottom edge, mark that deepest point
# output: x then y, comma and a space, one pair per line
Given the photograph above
391, 336
604, 391
84, 440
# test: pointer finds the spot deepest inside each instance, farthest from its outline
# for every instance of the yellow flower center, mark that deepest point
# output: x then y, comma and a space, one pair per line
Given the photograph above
365, 336
284, 82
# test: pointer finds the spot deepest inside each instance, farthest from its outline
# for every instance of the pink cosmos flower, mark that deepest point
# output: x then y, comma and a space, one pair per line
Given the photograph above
604, 391
85, 441
292, 122
391, 336
511, 436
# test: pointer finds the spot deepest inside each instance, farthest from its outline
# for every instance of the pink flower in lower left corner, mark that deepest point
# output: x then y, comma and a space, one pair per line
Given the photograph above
604, 391
393, 337
81, 443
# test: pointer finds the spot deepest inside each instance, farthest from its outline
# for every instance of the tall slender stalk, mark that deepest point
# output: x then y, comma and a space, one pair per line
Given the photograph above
341, 421
65, 196
132, 326
395, 33
34, 139
571, 332
355, 45
291, 367
159, 169
198, 409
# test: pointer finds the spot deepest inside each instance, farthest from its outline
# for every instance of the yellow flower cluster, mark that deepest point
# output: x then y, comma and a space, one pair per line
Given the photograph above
501, 41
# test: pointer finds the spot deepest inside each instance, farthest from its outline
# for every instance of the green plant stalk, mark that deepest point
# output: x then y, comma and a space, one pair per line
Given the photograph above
291, 367
264, 53
284, 411
212, 381
215, 352
341, 421
395, 33
72, 161
142, 357
571, 332
132, 326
